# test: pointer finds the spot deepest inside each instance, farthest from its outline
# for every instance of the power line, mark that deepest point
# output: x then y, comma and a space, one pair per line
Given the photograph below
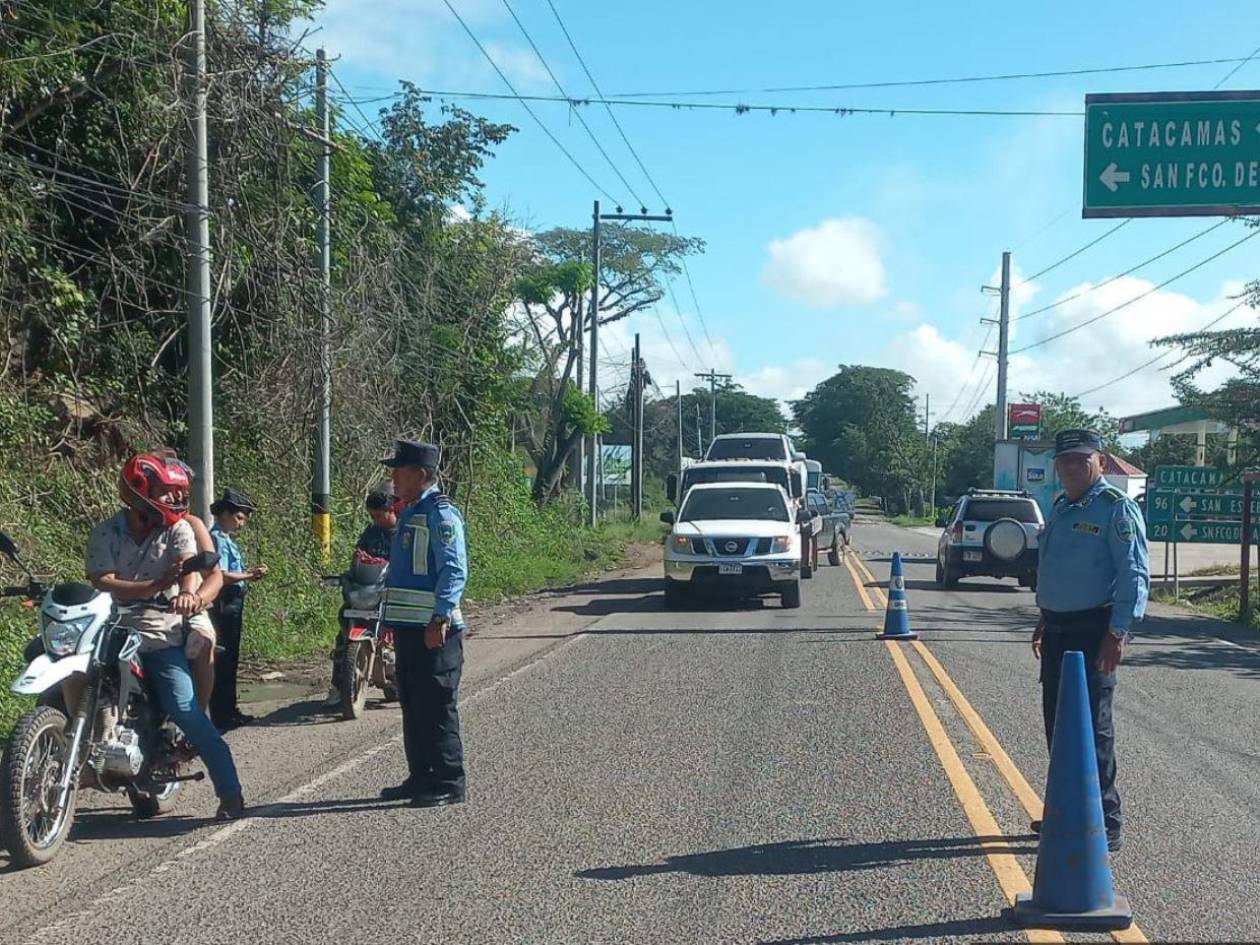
1137, 298
560, 88
524, 103
738, 108
905, 83
1072, 255
1130, 271
1234, 70
1162, 355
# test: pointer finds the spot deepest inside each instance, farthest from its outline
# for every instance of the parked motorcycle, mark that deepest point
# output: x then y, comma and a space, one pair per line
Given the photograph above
96, 723
367, 658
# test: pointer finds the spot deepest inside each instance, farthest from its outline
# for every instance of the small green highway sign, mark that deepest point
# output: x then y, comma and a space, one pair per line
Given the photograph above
1197, 479
1169, 506
1218, 533
1172, 154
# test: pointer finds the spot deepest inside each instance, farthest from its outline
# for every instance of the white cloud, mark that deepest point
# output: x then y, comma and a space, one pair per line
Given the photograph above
419, 40
1078, 361
835, 263
787, 383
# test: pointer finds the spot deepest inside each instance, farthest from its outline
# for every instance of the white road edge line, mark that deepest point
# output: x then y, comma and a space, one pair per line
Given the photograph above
223, 834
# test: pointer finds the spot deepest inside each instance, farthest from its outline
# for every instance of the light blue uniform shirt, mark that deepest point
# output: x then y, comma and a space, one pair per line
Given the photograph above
231, 559
1093, 554
428, 563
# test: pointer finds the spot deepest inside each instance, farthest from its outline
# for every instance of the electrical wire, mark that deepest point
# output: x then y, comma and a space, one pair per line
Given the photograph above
1162, 355
560, 88
1137, 298
1233, 71
906, 83
738, 108
524, 103
1072, 255
1146, 262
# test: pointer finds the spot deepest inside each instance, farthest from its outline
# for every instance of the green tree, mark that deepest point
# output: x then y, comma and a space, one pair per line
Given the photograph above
860, 423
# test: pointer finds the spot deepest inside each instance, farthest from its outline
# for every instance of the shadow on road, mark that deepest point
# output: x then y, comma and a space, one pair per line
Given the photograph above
966, 587
803, 857
988, 925
1191, 644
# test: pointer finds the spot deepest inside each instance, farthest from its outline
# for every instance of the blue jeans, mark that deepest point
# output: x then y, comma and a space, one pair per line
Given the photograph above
172, 681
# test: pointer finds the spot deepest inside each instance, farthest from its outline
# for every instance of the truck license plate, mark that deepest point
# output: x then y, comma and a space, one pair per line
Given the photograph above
730, 569
972, 556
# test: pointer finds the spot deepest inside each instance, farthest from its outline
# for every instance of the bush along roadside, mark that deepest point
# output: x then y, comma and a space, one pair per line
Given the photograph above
514, 548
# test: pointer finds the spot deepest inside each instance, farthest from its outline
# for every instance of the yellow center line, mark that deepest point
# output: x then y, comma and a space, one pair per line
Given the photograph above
857, 582
1018, 784
1010, 875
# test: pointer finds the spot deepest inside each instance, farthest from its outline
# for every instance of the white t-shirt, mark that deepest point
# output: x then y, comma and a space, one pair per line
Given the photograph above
111, 549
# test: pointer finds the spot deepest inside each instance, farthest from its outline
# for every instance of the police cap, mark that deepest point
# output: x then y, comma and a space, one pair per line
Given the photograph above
411, 453
233, 499
1077, 441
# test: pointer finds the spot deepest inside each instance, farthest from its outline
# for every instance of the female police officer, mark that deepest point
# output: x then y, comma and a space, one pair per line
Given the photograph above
1092, 584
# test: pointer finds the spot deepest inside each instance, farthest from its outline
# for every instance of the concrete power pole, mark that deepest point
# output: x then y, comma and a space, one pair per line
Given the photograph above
591, 459
678, 404
197, 226
321, 493
636, 463
1004, 326
712, 377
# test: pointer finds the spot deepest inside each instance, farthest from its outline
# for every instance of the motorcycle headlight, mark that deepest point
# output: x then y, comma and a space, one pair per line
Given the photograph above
62, 639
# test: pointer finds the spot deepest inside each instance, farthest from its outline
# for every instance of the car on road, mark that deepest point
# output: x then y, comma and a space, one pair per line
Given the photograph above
990, 533
772, 446
833, 536
777, 472
735, 540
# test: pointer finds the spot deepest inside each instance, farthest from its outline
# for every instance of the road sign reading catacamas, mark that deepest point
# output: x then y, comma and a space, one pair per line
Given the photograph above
1172, 154
1197, 504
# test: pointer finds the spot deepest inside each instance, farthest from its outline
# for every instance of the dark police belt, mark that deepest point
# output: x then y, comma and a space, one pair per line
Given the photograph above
1075, 621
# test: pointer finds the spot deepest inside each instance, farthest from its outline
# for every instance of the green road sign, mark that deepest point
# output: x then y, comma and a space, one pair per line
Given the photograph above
1173, 506
1220, 533
1190, 479
1172, 154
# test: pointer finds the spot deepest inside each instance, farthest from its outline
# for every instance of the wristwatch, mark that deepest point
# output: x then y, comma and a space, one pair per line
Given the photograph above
1121, 635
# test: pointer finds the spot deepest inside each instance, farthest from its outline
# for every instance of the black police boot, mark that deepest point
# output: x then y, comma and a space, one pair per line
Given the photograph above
440, 798
399, 792
1035, 827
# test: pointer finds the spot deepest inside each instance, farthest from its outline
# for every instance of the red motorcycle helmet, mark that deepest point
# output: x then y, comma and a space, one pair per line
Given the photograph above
155, 488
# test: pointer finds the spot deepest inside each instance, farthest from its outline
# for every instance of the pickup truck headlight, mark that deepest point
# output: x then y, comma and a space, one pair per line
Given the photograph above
781, 544
62, 639
682, 544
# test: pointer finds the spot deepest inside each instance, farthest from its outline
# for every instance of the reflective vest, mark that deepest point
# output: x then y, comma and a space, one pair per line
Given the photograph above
413, 567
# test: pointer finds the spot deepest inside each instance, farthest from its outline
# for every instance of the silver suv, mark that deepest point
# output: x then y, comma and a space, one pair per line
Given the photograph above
992, 533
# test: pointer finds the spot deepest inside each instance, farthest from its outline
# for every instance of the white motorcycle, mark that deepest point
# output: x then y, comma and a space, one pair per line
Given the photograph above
96, 724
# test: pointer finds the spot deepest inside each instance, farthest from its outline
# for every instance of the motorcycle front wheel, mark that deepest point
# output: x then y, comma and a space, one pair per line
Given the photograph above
356, 668
30, 827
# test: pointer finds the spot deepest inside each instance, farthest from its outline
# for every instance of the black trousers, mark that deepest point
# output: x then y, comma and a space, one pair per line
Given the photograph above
428, 690
227, 616
1084, 630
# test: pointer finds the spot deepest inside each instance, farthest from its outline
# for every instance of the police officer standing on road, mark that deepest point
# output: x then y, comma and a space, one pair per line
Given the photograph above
1092, 585
428, 568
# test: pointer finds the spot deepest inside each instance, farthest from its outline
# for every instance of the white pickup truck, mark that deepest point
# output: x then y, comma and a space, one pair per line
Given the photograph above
737, 539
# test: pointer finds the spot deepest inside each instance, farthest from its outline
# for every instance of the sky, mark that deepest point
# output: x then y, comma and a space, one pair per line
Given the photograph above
845, 239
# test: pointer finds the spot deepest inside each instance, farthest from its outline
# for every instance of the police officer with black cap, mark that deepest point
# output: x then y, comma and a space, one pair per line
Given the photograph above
1092, 585
428, 568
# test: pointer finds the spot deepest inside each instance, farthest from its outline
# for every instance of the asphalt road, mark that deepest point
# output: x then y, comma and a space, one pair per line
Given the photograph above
739, 774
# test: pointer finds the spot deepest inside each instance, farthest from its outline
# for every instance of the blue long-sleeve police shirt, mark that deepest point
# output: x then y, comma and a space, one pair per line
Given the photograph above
1093, 554
446, 538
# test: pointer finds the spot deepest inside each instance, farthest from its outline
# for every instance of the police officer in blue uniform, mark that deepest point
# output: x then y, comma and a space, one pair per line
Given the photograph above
1092, 585
428, 568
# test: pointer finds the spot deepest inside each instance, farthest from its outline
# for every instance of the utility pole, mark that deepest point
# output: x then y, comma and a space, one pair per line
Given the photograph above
678, 398
197, 227
596, 217
321, 494
591, 460
699, 442
932, 498
712, 377
636, 460
927, 415
1004, 325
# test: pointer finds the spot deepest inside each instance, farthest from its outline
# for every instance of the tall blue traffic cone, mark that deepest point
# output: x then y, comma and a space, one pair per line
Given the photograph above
897, 615
1073, 888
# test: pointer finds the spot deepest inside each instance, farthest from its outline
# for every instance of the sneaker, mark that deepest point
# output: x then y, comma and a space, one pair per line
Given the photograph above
231, 808
334, 697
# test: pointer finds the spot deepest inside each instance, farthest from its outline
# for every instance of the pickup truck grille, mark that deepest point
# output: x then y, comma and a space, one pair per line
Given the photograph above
732, 547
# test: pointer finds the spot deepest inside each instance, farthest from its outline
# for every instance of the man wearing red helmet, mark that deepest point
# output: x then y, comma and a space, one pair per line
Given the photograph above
137, 555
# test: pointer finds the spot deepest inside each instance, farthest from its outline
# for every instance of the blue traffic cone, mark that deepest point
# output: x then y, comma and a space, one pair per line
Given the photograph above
897, 615
1073, 888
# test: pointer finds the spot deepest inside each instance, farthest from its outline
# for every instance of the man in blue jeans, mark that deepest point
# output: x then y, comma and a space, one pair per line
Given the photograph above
137, 555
